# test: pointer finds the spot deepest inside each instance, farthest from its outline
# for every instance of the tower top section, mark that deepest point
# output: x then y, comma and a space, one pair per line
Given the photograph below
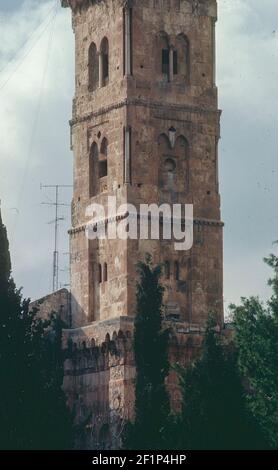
196, 7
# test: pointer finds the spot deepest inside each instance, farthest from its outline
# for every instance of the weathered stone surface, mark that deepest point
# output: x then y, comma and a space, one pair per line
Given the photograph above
57, 302
145, 129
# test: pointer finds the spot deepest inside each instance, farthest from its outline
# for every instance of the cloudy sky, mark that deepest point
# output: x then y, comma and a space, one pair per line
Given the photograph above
36, 89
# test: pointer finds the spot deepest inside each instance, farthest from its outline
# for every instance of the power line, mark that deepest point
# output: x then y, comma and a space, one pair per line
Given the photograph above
27, 39
52, 18
35, 122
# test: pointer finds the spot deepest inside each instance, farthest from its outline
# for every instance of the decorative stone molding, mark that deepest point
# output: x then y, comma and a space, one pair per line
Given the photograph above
144, 103
203, 222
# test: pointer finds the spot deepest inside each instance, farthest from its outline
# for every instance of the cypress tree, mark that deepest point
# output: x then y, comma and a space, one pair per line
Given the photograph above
152, 407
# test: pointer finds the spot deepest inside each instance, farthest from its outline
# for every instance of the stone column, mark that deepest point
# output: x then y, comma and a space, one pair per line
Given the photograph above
100, 70
213, 53
171, 64
127, 41
127, 164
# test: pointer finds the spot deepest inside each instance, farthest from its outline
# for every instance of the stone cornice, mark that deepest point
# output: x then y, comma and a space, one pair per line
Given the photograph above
199, 222
143, 103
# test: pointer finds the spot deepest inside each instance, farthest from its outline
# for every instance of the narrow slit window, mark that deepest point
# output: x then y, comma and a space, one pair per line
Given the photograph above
175, 62
177, 271
105, 67
105, 273
102, 165
165, 61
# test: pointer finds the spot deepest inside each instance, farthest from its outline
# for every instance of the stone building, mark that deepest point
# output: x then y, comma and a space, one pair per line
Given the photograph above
145, 129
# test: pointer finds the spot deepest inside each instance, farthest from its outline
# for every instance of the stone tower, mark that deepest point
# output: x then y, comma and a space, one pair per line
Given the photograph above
145, 129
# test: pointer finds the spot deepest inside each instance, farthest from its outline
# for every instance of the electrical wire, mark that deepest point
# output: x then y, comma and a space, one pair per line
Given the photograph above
28, 52
12, 59
36, 118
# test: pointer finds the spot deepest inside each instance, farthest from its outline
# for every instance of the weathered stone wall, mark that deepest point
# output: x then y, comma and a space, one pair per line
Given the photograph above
170, 119
57, 302
162, 131
100, 376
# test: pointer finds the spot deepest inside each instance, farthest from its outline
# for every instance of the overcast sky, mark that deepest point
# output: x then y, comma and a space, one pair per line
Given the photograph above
36, 89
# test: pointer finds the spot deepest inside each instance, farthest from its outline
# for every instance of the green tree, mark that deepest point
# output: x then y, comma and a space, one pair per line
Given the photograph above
33, 412
152, 407
256, 338
214, 414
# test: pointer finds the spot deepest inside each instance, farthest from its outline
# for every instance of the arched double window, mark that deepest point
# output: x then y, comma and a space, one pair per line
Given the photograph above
174, 57
167, 270
174, 164
98, 65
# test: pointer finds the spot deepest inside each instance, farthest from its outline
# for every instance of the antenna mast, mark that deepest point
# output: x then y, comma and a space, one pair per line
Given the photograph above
56, 204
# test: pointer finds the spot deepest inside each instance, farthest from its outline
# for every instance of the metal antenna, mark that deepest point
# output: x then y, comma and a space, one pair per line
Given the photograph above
66, 270
56, 204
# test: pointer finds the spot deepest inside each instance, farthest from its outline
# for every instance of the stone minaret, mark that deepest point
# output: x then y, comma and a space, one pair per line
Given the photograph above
145, 129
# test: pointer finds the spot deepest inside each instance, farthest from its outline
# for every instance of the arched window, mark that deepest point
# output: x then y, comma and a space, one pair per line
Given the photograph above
104, 62
167, 269
105, 273
182, 58
93, 67
93, 171
103, 169
174, 174
177, 270
99, 274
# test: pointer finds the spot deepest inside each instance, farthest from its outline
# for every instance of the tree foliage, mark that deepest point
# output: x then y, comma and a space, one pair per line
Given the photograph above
33, 411
152, 406
214, 415
256, 339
